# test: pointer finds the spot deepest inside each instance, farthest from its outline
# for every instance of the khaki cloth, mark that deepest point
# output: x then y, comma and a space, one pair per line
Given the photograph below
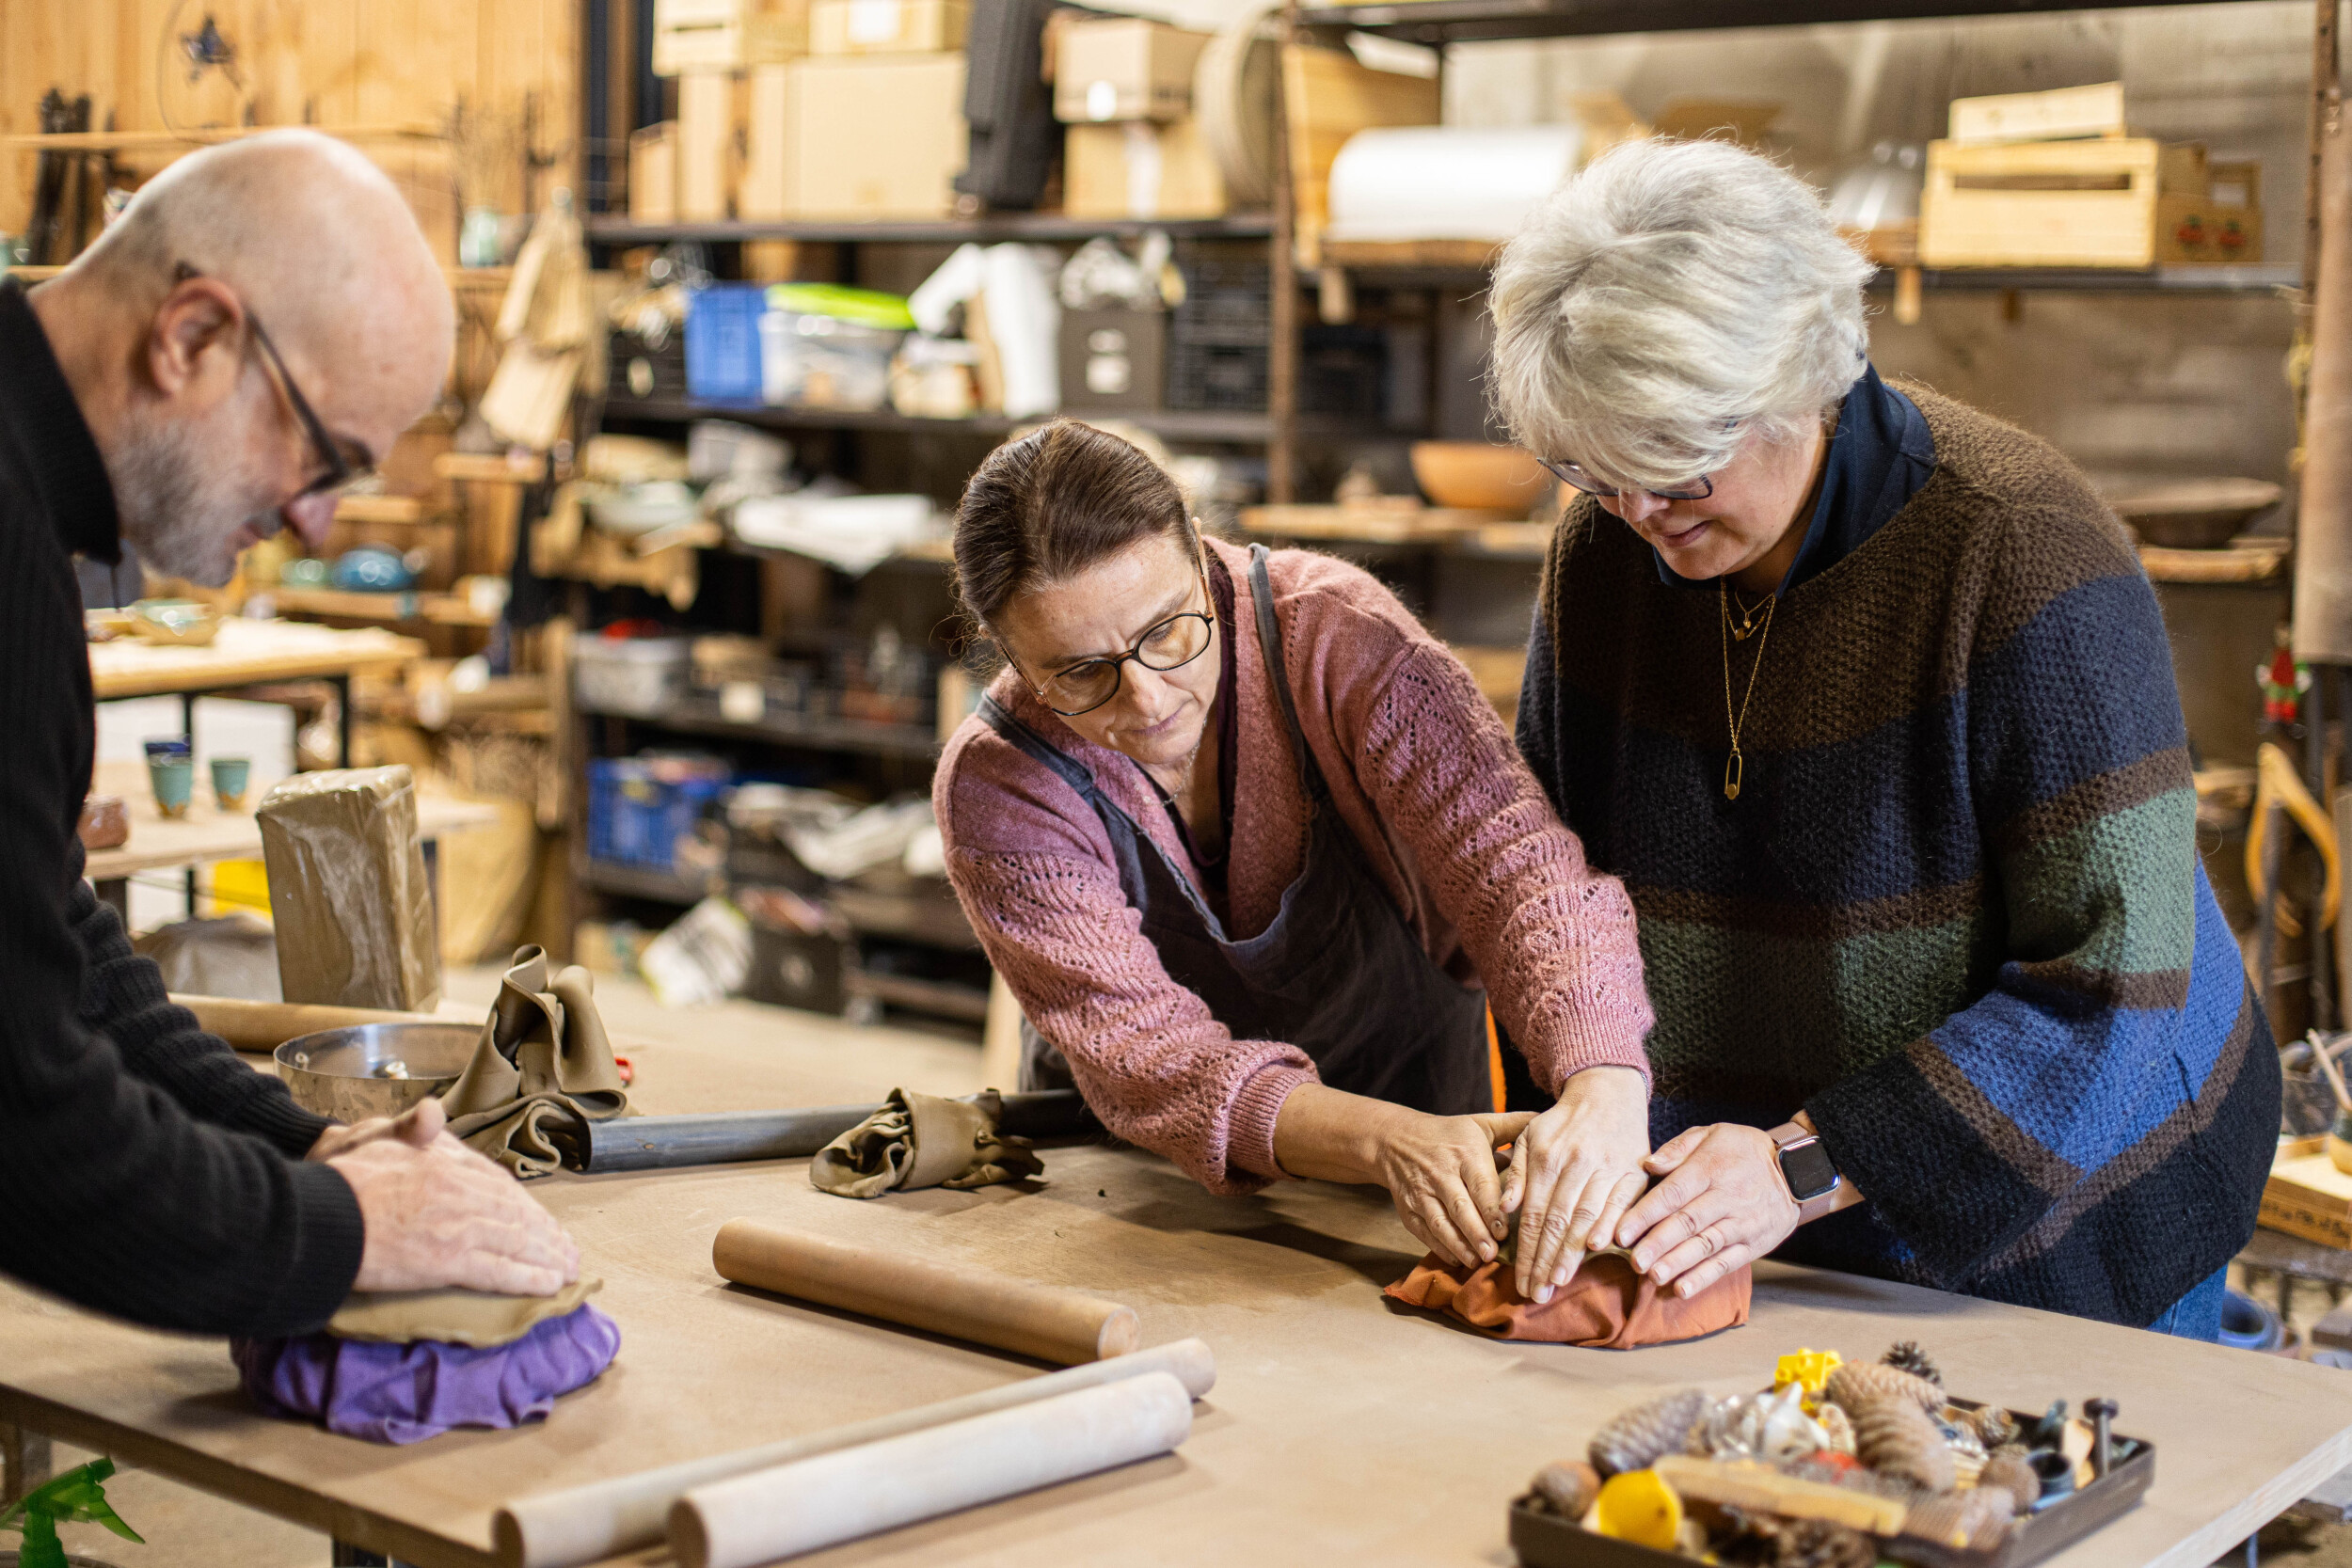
477, 1318
920, 1140
543, 1058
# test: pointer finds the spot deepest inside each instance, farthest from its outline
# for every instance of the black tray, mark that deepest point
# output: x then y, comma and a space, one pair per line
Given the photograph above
1544, 1540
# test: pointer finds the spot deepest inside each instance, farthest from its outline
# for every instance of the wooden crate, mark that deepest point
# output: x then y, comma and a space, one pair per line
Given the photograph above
2041, 204
2307, 1196
727, 35
2064, 112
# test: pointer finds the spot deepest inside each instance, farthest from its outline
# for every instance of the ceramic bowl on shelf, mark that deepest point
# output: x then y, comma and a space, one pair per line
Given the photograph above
2194, 513
175, 622
1479, 476
630, 512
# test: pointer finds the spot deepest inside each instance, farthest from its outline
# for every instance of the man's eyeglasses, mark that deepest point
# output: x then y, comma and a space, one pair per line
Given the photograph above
1574, 474
1171, 645
340, 469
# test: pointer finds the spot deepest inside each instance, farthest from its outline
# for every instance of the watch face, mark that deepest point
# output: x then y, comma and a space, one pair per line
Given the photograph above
1809, 1169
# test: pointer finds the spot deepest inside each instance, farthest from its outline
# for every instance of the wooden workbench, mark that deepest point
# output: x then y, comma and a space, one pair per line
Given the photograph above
246, 653
1340, 1431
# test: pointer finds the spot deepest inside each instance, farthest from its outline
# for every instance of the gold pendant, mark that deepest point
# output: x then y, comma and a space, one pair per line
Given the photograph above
1735, 770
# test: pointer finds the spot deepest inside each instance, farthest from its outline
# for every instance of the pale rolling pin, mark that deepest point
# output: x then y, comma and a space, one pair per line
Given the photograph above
588, 1524
839, 1497
267, 1025
1010, 1314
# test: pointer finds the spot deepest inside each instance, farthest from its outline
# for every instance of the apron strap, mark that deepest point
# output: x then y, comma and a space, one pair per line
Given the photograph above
1277, 671
1073, 772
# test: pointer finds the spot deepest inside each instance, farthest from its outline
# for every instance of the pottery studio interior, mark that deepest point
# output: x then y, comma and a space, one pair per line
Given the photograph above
783, 738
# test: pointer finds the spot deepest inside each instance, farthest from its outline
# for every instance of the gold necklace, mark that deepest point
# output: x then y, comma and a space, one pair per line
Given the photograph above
1747, 626
1736, 766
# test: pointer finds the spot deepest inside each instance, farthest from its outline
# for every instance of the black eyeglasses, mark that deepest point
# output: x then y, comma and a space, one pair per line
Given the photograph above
1171, 645
1574, 474
341, 470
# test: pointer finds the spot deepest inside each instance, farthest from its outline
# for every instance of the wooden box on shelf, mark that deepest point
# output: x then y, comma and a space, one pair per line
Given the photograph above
2112, 201
726, 35
653, 173
887, 26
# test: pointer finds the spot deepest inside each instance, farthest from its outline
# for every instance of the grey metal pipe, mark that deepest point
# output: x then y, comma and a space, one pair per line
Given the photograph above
729, 1137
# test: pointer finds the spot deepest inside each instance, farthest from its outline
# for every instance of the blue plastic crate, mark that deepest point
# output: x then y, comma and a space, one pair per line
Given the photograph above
637, 814
723, 343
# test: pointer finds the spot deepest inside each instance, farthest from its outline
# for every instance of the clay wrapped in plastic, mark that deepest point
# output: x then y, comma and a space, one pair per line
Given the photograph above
348, 889
920, 1140
1606, 1304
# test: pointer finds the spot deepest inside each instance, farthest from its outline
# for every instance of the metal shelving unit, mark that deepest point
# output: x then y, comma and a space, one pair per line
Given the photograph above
822, 735
1443, 21
983, 230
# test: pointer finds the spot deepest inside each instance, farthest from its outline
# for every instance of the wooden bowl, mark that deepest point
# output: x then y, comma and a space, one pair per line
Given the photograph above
1479, 476
2195, 513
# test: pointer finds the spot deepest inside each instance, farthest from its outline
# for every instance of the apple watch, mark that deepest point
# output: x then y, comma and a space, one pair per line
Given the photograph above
1807, 1167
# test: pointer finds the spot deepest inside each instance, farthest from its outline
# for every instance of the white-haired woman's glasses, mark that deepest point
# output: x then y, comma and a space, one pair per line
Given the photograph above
1572, 473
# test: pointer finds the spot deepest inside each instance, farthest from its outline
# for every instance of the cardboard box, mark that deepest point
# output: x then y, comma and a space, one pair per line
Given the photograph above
840, 27
768, 190
653, 173
2307, 1196
877, 138
709, 156
1125, 67
726, 35
1139, 169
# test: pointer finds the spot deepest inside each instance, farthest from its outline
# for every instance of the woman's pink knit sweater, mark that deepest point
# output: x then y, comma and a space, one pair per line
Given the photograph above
1424, 775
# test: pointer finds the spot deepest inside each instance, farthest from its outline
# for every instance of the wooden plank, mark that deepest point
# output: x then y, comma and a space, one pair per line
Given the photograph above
246, 653
1338, 1431
2096, 110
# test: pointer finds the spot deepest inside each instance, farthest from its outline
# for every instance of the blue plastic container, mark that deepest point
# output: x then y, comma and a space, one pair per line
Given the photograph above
639, 808
723, 343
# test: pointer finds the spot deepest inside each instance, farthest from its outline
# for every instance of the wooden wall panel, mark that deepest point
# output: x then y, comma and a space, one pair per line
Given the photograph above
325, 62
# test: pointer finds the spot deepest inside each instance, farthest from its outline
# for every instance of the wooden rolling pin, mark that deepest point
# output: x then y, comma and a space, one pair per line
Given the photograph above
587, 1524
1028, 1319
839, 1497
267, 1025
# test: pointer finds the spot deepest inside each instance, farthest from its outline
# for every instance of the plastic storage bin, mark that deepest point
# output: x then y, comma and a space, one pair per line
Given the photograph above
723, 343
640, 807
640, 677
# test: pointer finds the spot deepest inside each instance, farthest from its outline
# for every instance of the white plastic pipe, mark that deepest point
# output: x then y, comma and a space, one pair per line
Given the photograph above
587, 1524
855, 1492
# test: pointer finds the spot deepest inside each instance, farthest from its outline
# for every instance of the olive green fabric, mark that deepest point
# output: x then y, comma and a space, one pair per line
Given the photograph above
543, 1058
478, 1318
920, 1140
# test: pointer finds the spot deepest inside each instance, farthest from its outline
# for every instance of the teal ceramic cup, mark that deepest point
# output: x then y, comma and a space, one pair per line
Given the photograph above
230, 777
173, 779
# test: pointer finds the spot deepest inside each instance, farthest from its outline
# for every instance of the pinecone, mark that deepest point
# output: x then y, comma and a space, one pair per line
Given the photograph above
1820, 1544
1634, 1439
1852, 1476
1996, 1426
1567, 1487
1964, 1521
1896, 1438
1857, 1385
2010, 1473
1906, 1356
1837, 1425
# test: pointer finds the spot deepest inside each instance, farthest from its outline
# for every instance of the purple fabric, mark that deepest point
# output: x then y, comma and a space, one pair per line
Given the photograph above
406, 1393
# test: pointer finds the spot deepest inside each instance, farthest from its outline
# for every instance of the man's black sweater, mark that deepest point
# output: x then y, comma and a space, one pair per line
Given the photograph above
144, 1170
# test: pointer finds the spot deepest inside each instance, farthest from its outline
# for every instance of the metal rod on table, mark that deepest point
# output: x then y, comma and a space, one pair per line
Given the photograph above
729, 1137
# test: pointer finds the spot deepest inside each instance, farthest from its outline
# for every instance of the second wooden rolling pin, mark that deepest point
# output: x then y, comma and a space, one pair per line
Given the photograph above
267, 1025
1040, 1320
839, 1497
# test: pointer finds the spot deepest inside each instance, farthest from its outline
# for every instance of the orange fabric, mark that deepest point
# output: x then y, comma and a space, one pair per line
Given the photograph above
1606, 1305
1494, 1063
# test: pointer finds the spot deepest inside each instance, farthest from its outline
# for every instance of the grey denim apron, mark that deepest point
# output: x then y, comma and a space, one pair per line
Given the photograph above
1338, 972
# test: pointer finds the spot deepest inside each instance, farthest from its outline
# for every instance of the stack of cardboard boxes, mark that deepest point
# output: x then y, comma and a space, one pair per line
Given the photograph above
804, 109
1134, 150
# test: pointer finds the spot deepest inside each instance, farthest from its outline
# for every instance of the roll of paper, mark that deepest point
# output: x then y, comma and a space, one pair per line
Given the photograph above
840, 1497
587, 1524
1041, 1321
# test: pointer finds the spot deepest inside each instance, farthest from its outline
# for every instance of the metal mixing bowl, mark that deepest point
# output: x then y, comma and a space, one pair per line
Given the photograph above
376, 1070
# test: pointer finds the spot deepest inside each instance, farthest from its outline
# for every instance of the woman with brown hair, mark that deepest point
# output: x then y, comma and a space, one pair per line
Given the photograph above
1242, 837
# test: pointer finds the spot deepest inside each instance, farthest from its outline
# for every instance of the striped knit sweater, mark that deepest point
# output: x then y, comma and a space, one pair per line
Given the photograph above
1957, 911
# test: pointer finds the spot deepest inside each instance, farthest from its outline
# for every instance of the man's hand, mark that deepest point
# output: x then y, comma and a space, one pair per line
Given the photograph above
1576, 1169
1440, 1174
418, 1127
439, 1214
1722, 1203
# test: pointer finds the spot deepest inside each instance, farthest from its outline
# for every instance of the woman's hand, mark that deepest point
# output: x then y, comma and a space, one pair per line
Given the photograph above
1722, 1203
1440, 1174
1574, 1172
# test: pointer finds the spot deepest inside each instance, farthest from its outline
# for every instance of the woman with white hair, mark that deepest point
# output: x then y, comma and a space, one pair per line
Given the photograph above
1864, 696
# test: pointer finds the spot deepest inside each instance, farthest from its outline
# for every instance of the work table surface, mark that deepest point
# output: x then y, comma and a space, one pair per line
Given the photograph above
1341, 1430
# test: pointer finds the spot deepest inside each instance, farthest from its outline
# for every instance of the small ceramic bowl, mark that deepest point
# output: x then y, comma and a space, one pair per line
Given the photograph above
175, 622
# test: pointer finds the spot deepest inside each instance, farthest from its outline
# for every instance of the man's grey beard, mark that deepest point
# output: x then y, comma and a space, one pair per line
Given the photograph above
178, 497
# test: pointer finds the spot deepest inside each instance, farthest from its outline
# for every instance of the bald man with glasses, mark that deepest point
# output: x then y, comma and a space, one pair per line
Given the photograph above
145, 1171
